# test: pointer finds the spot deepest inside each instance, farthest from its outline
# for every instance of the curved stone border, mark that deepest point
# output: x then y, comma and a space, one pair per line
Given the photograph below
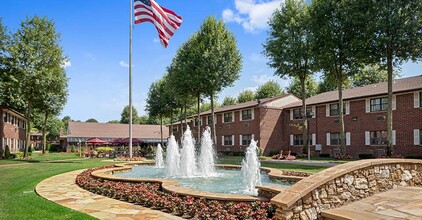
173, 186
343, 184
62, 190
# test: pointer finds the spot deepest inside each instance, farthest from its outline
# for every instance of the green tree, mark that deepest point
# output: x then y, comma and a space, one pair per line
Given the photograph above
336, 44
371, 74
114, 122
219, 61
245, 96
4, 42
92, 120
125, 115
229, 100
329, 83
311, 87
289, 47
34, 57
268, 90
145, 119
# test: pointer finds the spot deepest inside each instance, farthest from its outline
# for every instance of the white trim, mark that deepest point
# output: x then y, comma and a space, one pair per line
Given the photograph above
368, 105
314, 111
367, 138
394, 137
222, 118
253, 137
222, 141
291, 139
416, 100
416, 137
232, 139
394, 105
291, 114
348, 138
313, 139
233, 114
347, 105
328, 139
252, 114
327, 110
240, 140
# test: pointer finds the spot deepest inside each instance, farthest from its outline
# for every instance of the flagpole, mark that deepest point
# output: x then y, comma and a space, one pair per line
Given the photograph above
130, 78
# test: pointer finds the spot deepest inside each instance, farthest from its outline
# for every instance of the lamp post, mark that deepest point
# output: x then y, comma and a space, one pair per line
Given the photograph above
79, 144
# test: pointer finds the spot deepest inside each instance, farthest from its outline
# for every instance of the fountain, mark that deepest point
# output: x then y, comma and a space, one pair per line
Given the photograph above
172, 157
159, 157
207, 155
187, 155
250, 168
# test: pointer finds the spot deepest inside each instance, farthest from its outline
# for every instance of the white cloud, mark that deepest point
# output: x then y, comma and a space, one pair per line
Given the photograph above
253, 15
90, 56
258, 58
156, 40
262, 79
124, 64
66, 64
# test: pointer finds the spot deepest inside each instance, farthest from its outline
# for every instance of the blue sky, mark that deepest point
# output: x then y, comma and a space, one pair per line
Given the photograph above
95, 38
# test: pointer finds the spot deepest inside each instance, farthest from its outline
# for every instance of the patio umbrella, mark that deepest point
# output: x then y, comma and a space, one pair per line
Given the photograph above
134, 140
96, 141
118, 141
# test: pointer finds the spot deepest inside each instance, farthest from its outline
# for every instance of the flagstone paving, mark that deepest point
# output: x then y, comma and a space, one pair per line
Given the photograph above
398, 203
62, 189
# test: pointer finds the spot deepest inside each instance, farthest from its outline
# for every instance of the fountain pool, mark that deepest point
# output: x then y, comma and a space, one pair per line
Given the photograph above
226, 181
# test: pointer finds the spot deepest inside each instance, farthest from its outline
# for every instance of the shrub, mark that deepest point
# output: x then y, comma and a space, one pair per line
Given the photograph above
54, 148
365, 156
19, 155
343, 157
291, 157
105, 149
73, 149
1, 153
324, 155
7, 152
273, 152
392, 156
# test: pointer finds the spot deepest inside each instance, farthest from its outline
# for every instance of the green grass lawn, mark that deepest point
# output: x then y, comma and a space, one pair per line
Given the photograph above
38, 157
237, 160
17, 196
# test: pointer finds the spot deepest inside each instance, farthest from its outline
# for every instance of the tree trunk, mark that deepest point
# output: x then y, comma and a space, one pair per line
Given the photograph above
161, 129
28, 130
305, 118
171, 122
390, 104
199, 119
186, 117
340, 112
44, 133
212, 120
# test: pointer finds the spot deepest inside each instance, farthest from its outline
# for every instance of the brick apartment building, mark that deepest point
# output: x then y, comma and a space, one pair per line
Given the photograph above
364, 119
237, 124
12, 129
274, 122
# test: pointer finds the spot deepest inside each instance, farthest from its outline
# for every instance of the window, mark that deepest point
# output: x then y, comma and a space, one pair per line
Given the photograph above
228, 140
420, 99
246, 139
246, 114
297, 112
379, 104
334, 109
335, 138
228, 117
298, 139
175, 128
420, 136
378, 137
4, 117
197, 122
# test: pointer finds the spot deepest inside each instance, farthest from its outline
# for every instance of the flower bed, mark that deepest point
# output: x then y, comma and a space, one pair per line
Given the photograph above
151, 195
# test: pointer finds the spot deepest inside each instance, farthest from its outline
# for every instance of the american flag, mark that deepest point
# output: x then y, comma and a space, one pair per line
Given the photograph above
166, 21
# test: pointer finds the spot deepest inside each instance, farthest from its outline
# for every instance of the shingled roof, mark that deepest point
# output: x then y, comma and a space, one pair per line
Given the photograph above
399, 86
108, 130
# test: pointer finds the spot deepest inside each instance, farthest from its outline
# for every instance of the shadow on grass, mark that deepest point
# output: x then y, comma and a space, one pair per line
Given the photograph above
61, 161
28, 161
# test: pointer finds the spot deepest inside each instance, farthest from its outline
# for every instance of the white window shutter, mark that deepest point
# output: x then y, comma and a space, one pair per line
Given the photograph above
368, 105
314, 111
222, 140
394, 102
328, 139
232, 139
367, 138
394, 137
291, 139
233, 116
240, 115
240, 140
327, 110
253, 114
416, 100
222, 118
291, 114
348, 138
416, 137
313, 139
347, 108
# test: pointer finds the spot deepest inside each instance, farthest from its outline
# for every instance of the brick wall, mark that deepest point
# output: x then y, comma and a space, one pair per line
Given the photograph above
12, 133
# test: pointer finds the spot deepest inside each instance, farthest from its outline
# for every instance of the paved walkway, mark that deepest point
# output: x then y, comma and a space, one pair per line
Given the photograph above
307, 163
62, 189
398, 203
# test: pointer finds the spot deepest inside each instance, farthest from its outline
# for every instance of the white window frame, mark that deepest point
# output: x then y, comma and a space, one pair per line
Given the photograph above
241, 114
417, 99
222, 115
241, 139
347, 139
417, 140
222, 140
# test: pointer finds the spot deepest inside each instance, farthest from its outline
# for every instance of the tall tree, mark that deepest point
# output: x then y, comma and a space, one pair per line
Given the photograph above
311, 87
289, 47
371, 74
4, 42
124, 119
34, 54
229, 100
92, 120
268, 90
394, 27
245, 96
219, 59
329, 83
114, 122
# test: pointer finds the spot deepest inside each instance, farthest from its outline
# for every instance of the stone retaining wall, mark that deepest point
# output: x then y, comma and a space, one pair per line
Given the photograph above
344, 184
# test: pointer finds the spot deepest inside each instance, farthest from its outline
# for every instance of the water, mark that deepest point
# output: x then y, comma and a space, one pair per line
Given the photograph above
172, 157
225, 181
251, 174
159, 162
206, 160
187, 155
